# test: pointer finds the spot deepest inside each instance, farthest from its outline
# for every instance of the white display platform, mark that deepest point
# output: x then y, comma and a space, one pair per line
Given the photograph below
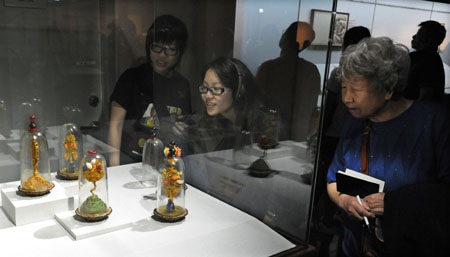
124, 200
79, 229
70, 186
23, 210
212, 228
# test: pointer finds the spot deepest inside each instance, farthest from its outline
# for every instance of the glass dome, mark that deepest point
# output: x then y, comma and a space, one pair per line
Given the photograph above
70, 151
152, 160
267, 138
35, 173
171, 188
267, 135
242, 153
93, 204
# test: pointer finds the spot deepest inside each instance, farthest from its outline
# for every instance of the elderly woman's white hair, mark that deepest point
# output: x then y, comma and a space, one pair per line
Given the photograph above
383, 63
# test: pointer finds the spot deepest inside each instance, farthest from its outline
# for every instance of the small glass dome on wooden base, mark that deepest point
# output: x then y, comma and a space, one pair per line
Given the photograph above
152, 160
267, 138
70, 151
171, 188
93, 188
35, 174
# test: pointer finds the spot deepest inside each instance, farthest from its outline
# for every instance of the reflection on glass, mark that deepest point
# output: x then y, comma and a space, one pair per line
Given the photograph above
242, 152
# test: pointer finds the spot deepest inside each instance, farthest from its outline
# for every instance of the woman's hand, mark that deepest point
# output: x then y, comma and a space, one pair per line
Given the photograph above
349, 203
353, 208
180, 129
375, 202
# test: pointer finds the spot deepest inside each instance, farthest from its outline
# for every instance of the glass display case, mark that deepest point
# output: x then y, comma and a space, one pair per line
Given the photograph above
102, 65
70, 151
34, 162
170, 202
152, 159
93, 196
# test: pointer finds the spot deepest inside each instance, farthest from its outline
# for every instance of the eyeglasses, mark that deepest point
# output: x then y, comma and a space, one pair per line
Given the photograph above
167, 50
214, 90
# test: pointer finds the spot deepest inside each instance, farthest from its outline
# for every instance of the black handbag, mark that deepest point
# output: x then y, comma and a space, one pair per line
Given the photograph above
372, 242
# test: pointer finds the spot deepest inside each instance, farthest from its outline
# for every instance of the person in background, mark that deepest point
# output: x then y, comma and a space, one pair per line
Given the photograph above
426, 76
146, 96
408, 142
291, 84
335, 117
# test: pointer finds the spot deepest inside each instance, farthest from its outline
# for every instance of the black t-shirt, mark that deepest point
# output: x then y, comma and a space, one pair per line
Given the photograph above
150, 99
426, 71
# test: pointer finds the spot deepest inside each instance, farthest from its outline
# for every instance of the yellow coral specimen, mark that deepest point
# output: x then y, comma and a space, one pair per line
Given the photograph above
94, 171
172, 182
35, 155
70, 146
35, 182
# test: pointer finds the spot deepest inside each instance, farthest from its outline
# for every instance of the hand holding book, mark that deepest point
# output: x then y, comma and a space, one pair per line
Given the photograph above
353, 208
356, 183
375, 202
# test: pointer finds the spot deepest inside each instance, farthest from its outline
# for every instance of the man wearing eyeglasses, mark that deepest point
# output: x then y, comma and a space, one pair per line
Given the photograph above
151, 94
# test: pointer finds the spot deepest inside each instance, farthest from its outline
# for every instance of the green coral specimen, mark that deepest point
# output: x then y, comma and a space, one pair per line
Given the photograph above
93, 205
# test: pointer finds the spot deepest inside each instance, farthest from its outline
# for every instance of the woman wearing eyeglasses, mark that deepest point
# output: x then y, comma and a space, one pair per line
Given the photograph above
148, 95
231, 98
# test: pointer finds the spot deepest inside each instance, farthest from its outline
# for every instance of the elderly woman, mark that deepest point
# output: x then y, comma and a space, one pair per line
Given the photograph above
407, 142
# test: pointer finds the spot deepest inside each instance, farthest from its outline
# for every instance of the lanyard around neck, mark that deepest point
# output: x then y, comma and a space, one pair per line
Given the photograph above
365, 148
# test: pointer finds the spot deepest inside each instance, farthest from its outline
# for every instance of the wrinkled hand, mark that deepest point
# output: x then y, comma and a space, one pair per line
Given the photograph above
352, 207
180, 129
375, 202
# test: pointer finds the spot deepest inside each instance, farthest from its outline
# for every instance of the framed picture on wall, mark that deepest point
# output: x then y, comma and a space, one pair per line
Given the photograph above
321, 21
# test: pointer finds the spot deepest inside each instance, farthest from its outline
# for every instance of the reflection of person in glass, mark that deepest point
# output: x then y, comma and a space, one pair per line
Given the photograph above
145, 95
230, 96
292, 84
403, 142
426, 76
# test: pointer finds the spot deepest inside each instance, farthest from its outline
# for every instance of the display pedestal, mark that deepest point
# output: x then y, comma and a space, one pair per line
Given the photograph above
283, 149
22, 209
81, 229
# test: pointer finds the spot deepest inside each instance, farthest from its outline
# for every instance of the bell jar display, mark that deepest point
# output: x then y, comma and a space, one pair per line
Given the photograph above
35, 174
267, 138
93, 188
70, 151
243, 150
152, 159
171, 188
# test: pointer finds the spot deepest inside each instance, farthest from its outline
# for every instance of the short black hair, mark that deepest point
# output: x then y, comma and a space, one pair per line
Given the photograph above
167, 29
434, 31
354, 35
